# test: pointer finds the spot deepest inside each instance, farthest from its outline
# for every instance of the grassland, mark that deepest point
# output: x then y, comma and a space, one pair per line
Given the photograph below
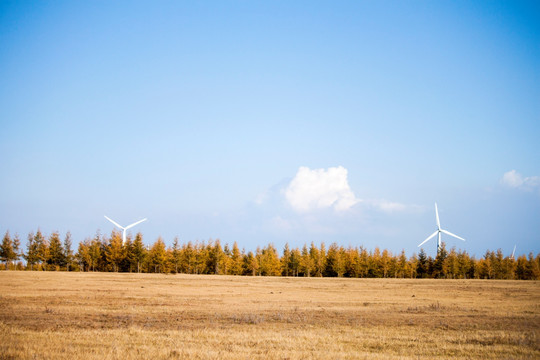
63, 315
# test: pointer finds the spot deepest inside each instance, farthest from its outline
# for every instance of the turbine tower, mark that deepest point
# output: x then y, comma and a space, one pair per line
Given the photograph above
439, 231
124, 228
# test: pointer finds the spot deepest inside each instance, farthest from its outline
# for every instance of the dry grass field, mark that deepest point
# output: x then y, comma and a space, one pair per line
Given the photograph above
45, 315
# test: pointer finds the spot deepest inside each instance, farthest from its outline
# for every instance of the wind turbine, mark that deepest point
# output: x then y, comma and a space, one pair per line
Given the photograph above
124, 228
513, 252
438, 232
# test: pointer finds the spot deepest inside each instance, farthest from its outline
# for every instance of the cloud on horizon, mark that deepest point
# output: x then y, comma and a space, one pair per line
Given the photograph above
388, 206
316, 203
515, 180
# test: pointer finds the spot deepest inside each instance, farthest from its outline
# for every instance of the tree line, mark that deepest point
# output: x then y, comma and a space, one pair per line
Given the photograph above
109, 254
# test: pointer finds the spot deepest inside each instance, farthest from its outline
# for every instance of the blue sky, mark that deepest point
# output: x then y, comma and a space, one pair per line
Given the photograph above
283, 121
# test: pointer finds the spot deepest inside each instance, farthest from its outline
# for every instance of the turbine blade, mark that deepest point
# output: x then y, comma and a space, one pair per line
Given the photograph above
138, 222
115, 223
430, 236
513, 252
437, 216
449, 233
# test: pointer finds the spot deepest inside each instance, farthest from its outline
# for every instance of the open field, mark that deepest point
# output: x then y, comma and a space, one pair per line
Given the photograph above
59, 315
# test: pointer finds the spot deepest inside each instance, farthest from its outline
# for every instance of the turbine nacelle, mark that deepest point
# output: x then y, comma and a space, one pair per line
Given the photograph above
439, 231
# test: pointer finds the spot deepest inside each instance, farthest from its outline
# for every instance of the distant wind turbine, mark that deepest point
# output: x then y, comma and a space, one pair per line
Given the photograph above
513, 252
124, 228
438, 232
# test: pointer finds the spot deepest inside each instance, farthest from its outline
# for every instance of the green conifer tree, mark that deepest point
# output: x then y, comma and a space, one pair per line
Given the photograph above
68, 253
422, 265
31, 251
139, 252
7, 252
42, 249
438, 265
335, 264
55, 257
17, 247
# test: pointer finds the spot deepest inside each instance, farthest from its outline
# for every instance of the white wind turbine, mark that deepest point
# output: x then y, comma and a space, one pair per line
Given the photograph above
438, 232
124, 228
513, 252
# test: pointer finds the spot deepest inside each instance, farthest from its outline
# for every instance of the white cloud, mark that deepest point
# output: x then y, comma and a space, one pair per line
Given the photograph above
319, 189
515, 180
390, 207
512, 179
